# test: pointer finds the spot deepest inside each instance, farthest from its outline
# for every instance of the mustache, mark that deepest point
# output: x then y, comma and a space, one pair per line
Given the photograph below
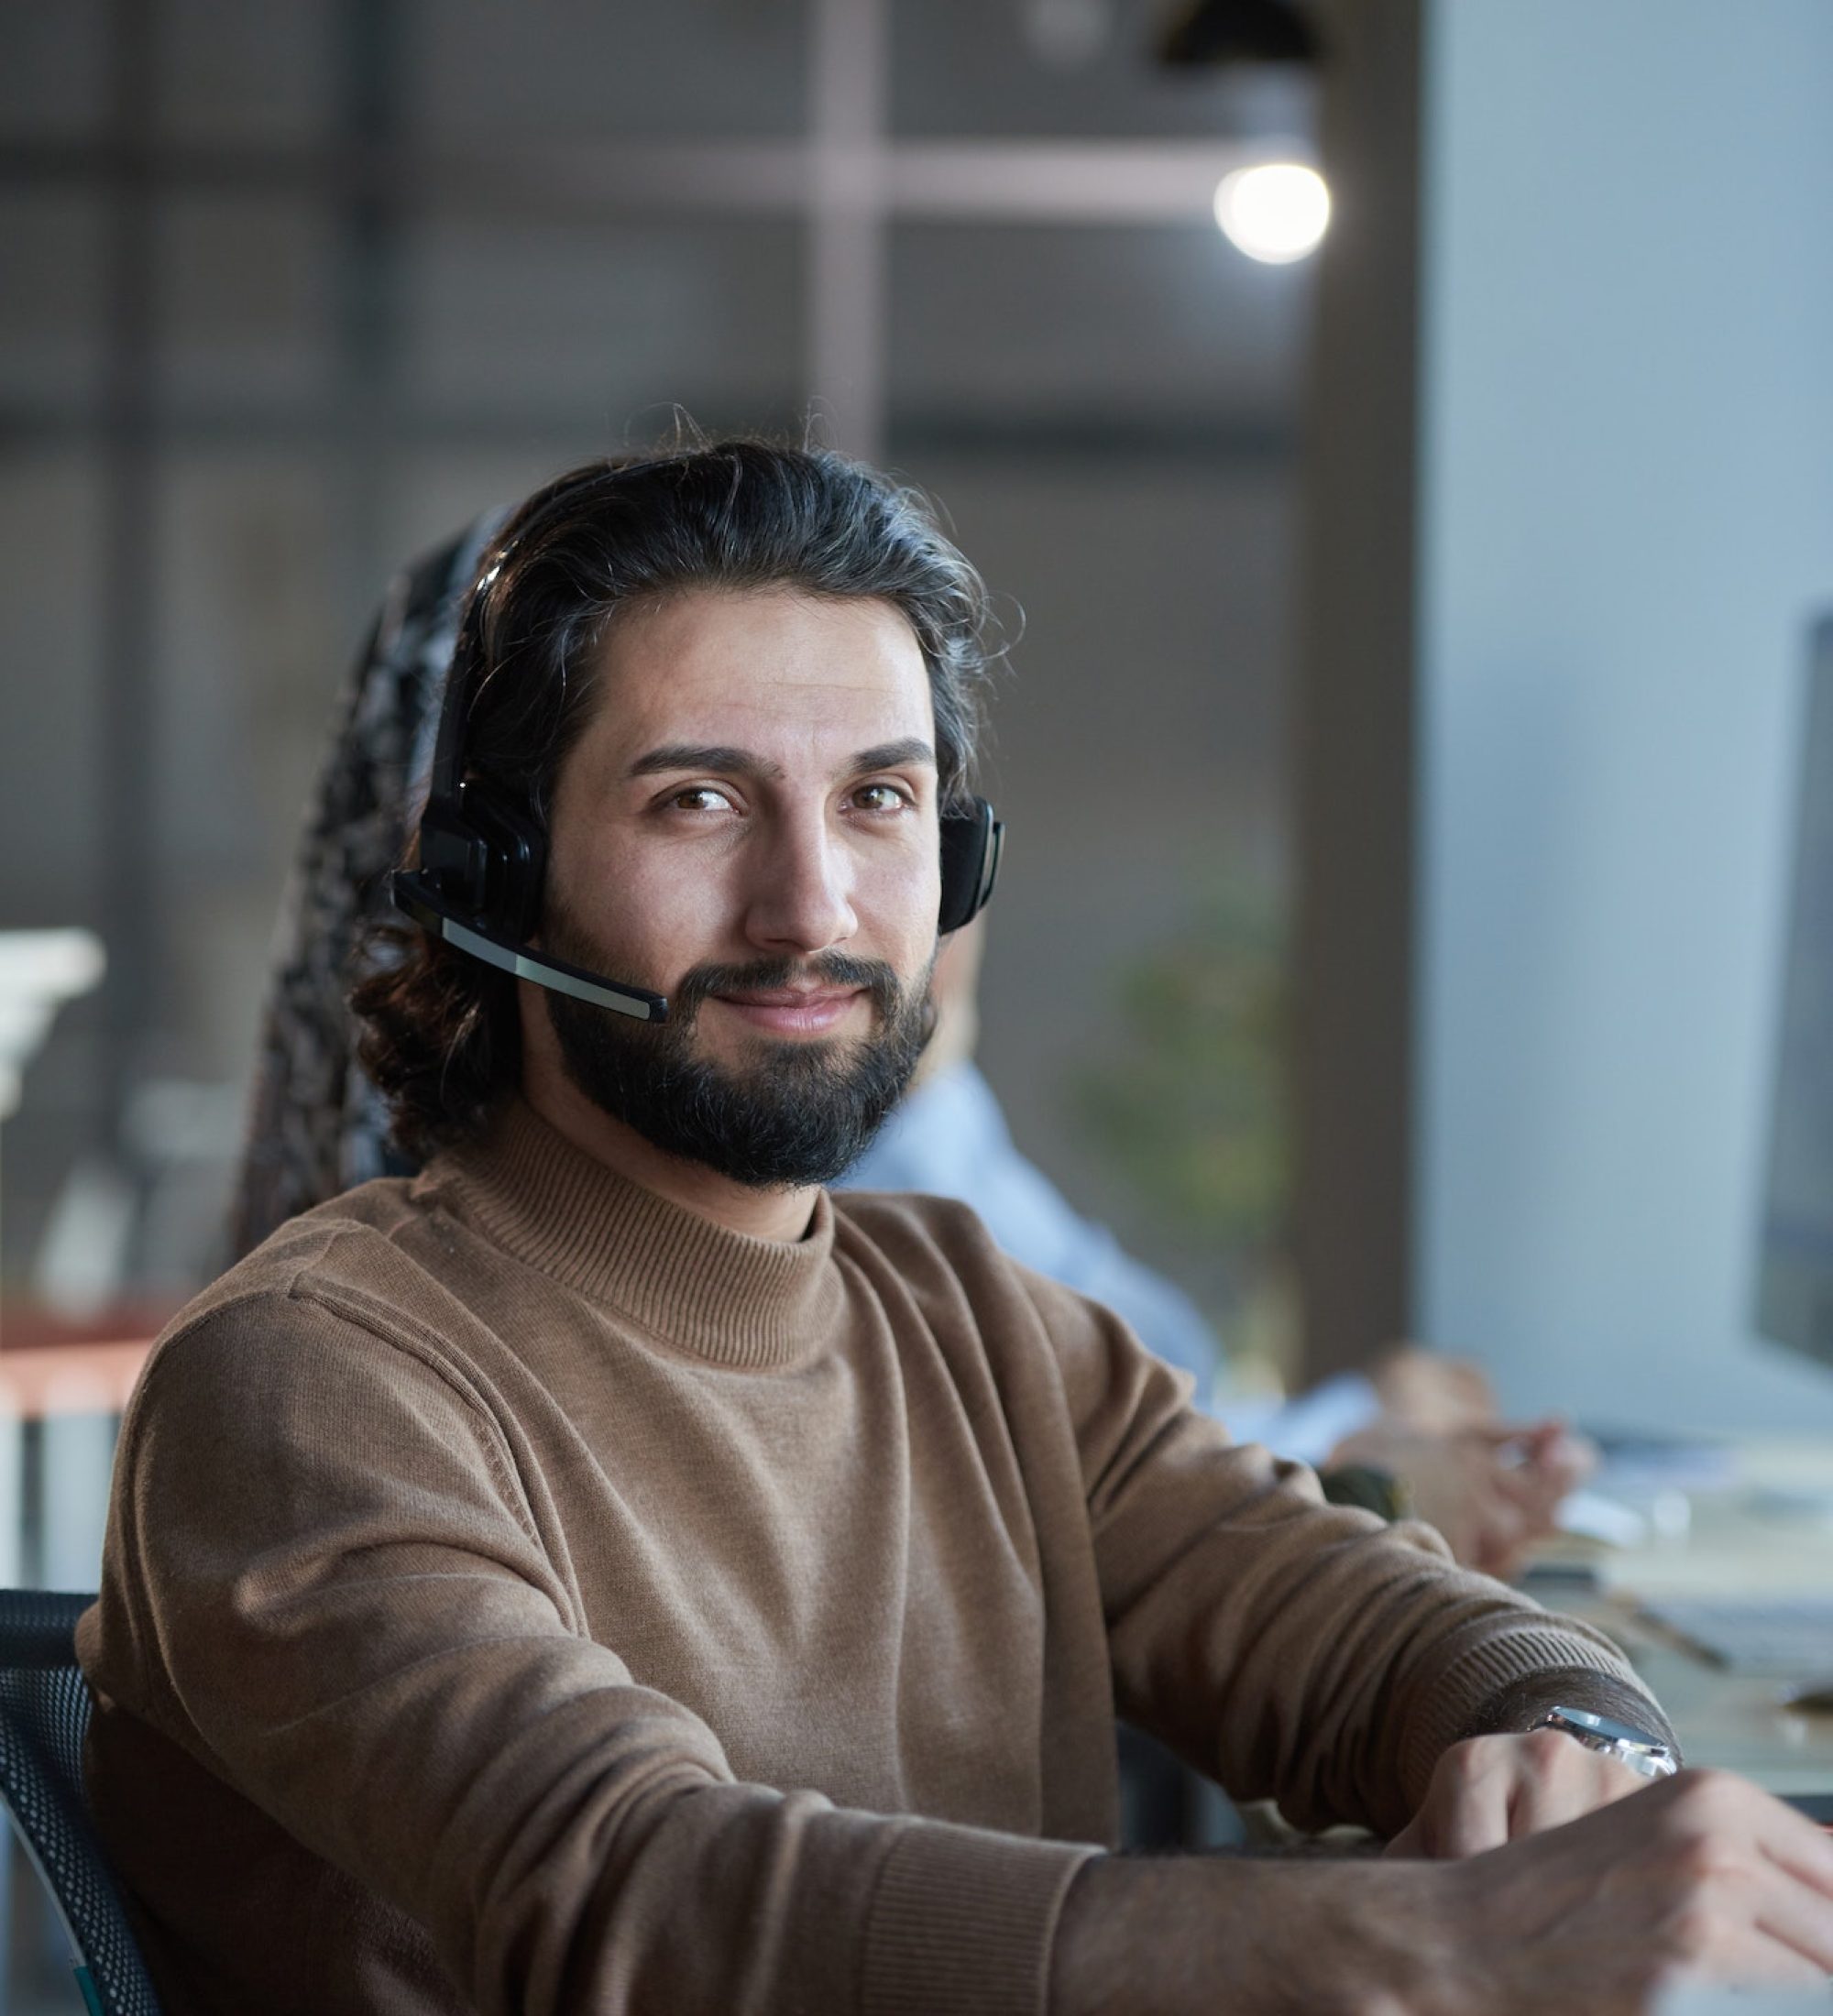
828, 969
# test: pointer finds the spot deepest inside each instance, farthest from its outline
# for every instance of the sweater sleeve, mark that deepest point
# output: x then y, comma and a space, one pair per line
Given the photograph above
1289, 1648
325, 1581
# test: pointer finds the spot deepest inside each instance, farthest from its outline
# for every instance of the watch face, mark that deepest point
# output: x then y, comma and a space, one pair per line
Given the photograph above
1636, 1748
1604, 1728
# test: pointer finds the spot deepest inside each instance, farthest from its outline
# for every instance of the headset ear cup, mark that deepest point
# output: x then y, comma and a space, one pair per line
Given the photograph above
971, 841
515, 859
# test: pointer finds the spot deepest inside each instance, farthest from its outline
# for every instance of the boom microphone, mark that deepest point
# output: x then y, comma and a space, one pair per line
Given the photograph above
414, 895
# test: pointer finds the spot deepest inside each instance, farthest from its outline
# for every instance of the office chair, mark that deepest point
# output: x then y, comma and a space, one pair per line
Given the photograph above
44, 1710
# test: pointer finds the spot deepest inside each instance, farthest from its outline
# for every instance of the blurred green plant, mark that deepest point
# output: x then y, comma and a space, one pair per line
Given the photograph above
1189, 1106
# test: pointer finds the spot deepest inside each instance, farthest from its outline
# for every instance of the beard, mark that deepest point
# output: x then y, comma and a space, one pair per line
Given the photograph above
790, 1114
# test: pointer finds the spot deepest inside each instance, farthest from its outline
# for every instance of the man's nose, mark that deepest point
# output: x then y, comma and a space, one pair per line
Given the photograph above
801, 895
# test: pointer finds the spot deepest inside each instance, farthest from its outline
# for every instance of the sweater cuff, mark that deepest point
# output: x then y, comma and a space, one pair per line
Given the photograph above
1463, 1701
963, 1919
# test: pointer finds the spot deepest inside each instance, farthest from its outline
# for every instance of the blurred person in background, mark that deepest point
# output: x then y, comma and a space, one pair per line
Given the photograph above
1418, 1436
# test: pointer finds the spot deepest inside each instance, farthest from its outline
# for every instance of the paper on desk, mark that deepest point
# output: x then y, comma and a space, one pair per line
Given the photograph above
1592, 1516
1743, 2002
1633, 1464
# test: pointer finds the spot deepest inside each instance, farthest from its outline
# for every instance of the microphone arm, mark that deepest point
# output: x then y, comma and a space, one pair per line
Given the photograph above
414, 896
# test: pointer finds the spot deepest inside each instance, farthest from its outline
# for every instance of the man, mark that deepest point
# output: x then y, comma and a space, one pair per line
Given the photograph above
605, 1574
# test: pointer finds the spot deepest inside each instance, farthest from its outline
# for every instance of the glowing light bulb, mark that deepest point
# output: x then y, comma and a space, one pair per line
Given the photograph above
1276, 211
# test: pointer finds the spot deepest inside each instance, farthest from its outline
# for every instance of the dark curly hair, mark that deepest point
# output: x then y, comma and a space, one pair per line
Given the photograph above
440, 1038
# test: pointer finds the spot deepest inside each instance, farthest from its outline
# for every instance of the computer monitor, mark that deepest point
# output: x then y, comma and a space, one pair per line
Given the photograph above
1794, 1266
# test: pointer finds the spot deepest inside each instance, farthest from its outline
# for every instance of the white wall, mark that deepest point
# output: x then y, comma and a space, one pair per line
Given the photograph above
1627, 520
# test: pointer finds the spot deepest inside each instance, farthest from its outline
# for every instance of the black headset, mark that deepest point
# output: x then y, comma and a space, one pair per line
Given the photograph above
483, 853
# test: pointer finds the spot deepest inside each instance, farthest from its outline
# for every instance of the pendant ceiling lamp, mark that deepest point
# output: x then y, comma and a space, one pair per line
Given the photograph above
1239, 31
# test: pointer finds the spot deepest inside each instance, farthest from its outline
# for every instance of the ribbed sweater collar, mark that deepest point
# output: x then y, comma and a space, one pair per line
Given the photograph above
727, 1296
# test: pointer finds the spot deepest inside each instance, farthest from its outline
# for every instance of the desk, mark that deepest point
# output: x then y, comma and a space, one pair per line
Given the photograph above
59, 1406
1740, 1540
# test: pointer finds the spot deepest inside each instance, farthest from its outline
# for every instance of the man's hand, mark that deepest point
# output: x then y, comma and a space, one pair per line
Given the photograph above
1495, 1789
1492, 1492
1699, 1878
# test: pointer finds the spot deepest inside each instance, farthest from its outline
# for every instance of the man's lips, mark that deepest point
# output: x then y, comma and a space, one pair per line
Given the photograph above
791, 1010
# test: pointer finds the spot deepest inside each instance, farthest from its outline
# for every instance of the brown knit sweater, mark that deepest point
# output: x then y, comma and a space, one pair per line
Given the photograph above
523, 1594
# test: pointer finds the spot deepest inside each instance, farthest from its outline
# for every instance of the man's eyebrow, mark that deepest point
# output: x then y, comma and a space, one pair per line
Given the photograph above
721, 758
913, 749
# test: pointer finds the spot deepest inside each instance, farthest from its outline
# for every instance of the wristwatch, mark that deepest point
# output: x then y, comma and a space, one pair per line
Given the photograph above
1642, 1753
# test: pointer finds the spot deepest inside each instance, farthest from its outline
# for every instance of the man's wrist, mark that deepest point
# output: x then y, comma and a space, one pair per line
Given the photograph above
1194, 1934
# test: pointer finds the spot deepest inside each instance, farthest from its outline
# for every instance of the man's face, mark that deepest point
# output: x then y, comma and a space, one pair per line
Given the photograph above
748, 825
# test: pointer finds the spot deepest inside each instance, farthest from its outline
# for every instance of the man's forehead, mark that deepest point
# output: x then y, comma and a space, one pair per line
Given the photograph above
709, 666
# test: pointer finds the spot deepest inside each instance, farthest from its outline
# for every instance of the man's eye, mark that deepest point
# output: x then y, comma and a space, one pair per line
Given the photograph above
880, 798
699, 798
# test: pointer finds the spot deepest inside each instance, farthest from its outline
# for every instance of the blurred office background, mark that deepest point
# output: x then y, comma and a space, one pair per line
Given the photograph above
294, 291
1401, 731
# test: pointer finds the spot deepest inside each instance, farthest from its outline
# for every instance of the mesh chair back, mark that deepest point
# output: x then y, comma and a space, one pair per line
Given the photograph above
44, 1710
